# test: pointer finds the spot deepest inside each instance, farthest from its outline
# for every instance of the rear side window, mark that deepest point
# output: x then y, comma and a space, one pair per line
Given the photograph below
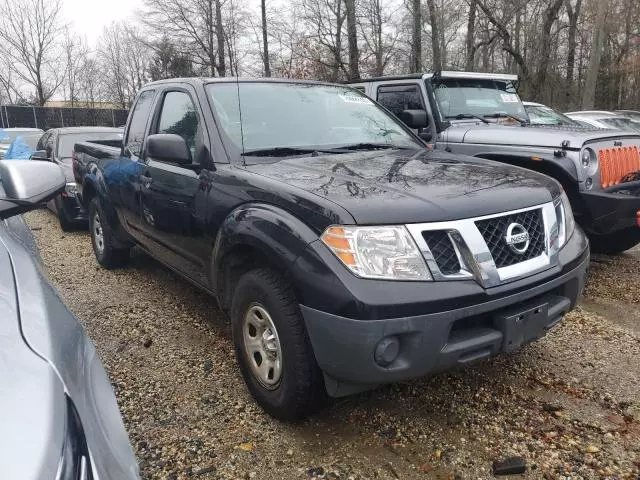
138, 123
178, 116
400, 97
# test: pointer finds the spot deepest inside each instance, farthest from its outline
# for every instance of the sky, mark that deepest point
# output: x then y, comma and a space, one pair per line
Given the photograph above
89, 17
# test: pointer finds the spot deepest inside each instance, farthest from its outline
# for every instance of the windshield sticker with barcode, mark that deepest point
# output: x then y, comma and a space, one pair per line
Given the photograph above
509, 97
354, 99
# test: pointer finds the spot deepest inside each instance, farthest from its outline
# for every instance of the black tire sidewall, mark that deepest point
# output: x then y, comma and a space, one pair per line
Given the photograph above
283, 402
65, 224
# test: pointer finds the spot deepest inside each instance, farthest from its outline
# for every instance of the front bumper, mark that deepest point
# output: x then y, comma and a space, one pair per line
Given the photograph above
606, 212
507, 317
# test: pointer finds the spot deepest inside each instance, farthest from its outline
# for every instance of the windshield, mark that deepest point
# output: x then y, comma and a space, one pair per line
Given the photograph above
547, 116
621, 123
480, 97
67, 141
297, 115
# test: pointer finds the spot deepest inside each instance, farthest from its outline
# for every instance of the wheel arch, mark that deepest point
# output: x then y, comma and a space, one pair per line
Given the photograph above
254, 236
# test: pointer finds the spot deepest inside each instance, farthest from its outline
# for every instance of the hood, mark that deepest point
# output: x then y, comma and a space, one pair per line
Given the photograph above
32, 403
408, 186
550, 136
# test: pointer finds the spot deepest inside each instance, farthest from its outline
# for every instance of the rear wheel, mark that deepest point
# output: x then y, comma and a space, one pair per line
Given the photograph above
272, 347
614, 243
102, 239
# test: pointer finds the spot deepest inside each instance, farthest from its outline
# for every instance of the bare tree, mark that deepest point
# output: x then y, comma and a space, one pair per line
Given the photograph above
126, 61
325, 19
589, 94
471, 33
195, 25
31, 32
265, 40
415, 11
573, 12
435, 36
352, 38
75, 52
379, 34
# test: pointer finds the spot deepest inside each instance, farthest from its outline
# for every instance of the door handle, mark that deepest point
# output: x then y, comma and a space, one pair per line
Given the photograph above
146, 181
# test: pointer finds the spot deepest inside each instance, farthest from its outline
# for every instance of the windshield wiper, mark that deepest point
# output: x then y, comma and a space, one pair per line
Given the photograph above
462, 116
507, 115
368, 146
282, 152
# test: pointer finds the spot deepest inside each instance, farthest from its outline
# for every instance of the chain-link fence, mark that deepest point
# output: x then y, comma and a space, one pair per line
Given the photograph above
12, 116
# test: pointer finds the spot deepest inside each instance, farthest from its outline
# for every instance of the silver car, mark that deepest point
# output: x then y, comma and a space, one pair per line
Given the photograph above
59, 415
604, 119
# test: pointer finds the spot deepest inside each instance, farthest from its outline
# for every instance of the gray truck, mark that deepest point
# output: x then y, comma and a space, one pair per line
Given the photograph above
481, 114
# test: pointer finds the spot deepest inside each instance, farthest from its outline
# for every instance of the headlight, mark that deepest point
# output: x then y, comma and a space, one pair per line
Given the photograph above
387, 253
589, 161
71, 189
566, 222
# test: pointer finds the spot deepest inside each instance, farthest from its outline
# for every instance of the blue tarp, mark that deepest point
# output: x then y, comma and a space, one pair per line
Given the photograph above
18, 150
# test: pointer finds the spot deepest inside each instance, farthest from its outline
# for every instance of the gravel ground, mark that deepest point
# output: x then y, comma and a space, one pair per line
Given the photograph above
569, 404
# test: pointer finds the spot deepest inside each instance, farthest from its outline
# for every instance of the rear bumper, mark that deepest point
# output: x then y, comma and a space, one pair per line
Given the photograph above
345, 348
73, 209
606, 213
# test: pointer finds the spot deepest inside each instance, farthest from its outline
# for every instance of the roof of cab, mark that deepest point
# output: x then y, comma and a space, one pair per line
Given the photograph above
206, 80
444, 74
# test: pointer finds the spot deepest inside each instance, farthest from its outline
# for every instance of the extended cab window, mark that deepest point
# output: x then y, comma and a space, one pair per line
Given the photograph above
138, 123
178, 116
400, 97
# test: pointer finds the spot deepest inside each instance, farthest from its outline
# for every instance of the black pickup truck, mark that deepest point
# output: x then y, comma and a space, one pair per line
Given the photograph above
345, 252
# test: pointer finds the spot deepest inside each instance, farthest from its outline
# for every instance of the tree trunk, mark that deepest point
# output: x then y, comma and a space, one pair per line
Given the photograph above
220, 37
589, 95
539, 83
435, 36
471, 33
517, 33
377, 14
352, 39
265, 42
416, 39
574, 14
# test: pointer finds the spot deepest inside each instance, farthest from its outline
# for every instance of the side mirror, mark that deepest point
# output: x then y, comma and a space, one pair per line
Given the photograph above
415, 119
168, 147
40, 155
28, 184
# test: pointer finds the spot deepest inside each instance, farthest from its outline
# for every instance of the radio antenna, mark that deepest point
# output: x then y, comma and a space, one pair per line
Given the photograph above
240, 112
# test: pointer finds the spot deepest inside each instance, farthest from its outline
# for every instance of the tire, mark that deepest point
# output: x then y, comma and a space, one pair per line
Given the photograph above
102, 239
65, 224
616, 242
298, 391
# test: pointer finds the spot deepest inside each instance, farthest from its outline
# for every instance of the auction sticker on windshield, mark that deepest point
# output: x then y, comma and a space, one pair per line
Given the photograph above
354, 99
509, 97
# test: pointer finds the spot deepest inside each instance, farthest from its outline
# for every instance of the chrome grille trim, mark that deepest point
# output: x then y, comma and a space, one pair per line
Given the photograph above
476, 261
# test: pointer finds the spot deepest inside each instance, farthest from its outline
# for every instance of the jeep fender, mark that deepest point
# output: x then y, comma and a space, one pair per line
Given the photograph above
276, 234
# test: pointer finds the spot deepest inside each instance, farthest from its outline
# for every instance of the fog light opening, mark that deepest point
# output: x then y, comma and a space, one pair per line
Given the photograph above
387, 351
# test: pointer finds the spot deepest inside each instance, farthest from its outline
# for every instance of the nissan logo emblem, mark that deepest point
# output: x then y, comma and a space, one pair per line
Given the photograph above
517, 238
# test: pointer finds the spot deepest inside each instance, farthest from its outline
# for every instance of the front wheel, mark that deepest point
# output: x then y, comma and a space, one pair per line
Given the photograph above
614, 243
273, 349
102, 239
65, 224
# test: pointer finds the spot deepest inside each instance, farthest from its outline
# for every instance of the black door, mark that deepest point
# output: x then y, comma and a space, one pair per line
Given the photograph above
122, 176
174, 197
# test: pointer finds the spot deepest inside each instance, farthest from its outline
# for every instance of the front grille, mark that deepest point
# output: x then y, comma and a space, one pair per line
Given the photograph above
443, 252
494, 232
615, 163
